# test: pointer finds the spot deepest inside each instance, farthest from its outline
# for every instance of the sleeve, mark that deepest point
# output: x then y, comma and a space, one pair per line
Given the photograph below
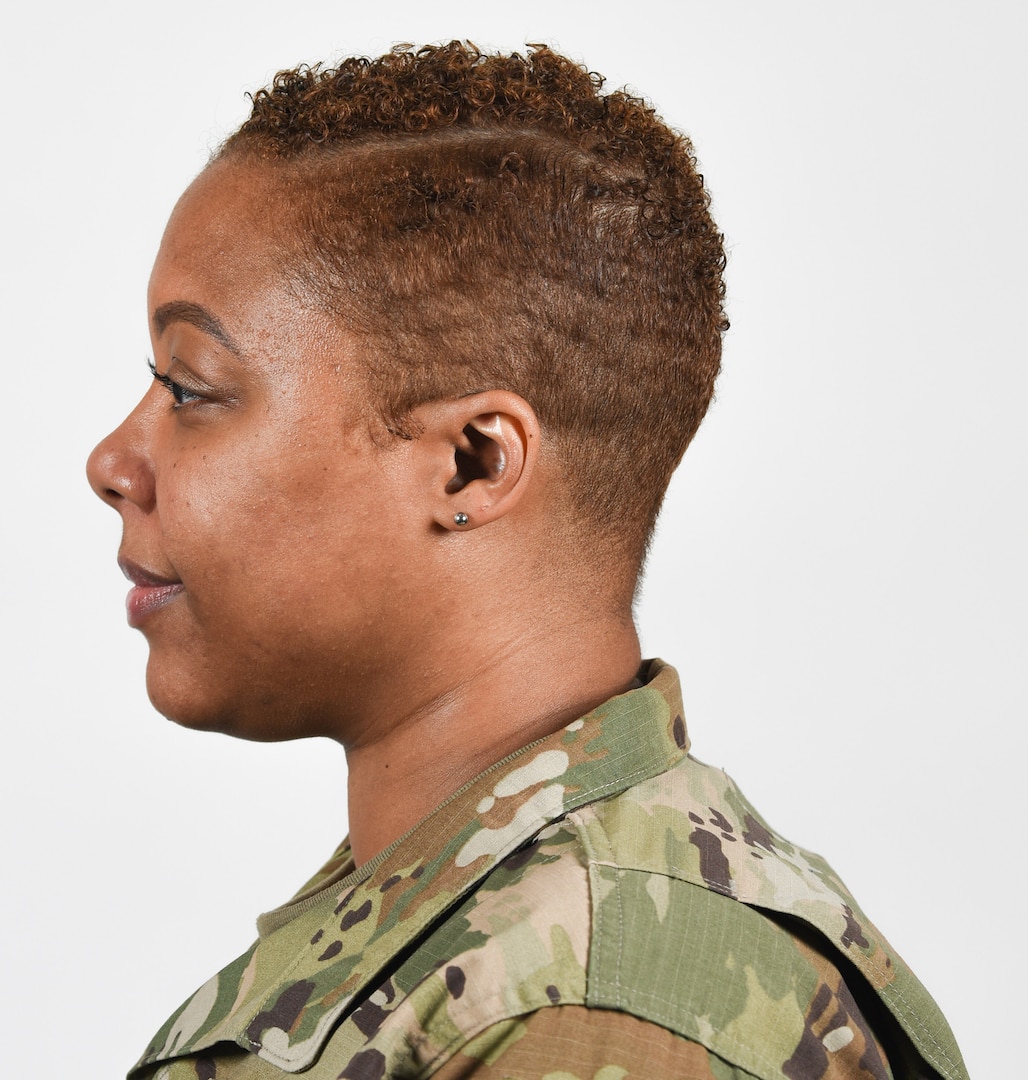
573, 1042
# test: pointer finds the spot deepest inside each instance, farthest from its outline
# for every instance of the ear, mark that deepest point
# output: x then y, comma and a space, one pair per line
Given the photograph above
483, 450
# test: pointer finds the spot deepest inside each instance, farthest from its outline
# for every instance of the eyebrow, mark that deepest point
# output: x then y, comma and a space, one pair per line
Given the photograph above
196, 315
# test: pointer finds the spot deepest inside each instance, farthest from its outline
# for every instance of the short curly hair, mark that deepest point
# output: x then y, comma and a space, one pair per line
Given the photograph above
489, 221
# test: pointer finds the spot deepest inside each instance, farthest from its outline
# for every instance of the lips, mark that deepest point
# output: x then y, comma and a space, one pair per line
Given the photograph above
149, 593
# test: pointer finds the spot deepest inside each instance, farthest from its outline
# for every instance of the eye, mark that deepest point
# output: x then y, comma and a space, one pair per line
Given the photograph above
182, 395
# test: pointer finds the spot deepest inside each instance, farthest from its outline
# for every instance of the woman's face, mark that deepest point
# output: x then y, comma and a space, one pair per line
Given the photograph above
268, 537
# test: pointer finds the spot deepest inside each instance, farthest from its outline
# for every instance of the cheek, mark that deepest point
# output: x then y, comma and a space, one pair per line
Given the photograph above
285, 525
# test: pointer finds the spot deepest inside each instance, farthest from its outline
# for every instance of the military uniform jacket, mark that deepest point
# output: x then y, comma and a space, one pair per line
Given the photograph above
599, 905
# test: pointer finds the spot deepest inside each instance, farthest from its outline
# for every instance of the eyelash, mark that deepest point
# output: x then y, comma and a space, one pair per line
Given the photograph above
181, 394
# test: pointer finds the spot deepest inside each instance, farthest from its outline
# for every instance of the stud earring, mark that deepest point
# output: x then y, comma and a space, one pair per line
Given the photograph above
460, 518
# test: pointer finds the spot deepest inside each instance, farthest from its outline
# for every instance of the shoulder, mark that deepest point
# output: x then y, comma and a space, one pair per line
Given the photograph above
675, 904
667, 912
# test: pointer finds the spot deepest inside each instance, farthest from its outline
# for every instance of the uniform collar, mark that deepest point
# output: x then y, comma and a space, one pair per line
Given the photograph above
282, 999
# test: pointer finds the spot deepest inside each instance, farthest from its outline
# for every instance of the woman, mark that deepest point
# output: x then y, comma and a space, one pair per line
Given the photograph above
430, 335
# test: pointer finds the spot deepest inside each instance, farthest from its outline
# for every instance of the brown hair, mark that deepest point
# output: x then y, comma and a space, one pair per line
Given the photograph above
496, 221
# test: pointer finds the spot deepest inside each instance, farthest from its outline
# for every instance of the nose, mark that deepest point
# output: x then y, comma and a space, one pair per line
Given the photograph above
120, 470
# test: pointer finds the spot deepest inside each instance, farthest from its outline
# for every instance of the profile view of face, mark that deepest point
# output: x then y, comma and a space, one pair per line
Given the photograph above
251, 492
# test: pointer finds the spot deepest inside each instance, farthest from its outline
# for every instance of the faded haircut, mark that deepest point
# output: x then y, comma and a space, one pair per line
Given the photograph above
496, 221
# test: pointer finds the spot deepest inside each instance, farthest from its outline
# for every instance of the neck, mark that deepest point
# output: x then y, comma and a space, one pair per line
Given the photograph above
505, 698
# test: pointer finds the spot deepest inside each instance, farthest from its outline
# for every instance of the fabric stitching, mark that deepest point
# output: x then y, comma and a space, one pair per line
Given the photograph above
908, 1010
666, 1019
621, 939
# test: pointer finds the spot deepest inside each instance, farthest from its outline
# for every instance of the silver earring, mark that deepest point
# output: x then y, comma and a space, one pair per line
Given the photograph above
460, 518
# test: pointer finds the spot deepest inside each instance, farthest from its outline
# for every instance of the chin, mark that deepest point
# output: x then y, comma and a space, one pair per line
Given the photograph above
257, 719
191, 705
193, 715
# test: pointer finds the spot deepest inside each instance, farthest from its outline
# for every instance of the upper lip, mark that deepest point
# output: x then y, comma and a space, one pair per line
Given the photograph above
139, 575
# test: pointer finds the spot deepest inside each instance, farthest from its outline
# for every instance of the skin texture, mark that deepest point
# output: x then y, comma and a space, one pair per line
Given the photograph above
314, 580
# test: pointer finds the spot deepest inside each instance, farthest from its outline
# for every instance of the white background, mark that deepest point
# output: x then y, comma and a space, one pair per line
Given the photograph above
839, 573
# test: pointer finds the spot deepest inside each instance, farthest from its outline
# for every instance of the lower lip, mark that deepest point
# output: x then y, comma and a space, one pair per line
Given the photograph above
143, 600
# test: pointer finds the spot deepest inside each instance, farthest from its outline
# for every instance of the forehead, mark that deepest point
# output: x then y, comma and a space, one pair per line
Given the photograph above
220, 252
221, 276
221, 219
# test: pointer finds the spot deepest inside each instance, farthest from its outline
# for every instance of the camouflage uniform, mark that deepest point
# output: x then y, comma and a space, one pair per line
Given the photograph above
598, 906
